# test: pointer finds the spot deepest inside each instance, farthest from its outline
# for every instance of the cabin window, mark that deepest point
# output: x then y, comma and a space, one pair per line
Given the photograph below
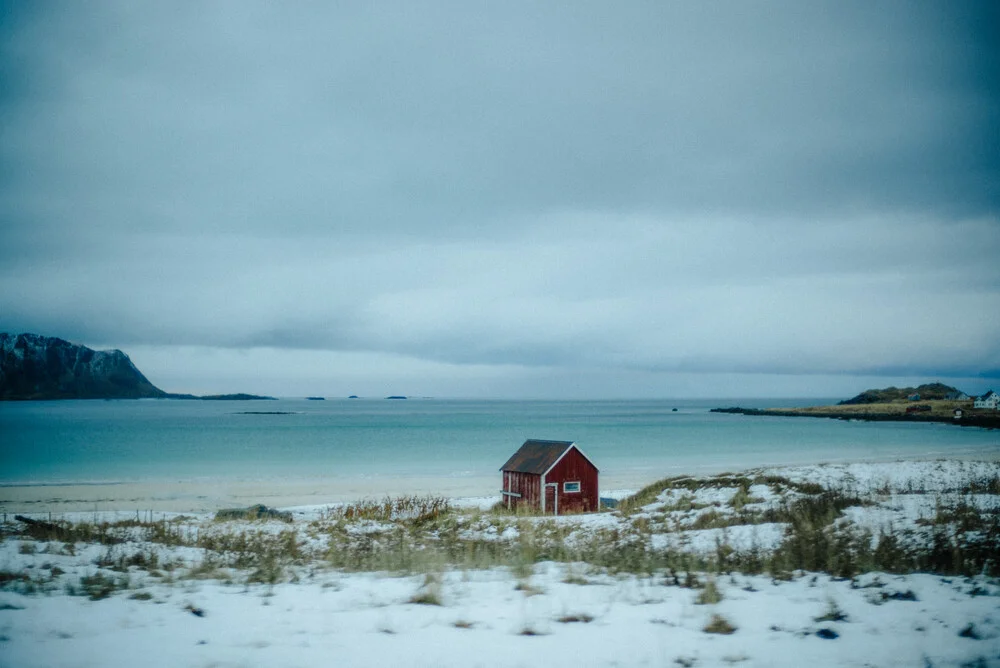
570, 487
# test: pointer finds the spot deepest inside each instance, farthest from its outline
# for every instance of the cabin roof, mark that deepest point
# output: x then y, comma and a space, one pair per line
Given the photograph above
536, 456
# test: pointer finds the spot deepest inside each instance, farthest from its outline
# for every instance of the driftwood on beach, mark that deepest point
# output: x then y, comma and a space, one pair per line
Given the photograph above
41, 530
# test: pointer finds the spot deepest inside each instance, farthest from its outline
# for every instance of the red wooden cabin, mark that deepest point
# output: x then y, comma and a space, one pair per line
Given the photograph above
551, 476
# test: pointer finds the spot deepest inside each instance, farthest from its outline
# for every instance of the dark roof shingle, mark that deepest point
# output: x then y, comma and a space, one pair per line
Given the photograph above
536, 456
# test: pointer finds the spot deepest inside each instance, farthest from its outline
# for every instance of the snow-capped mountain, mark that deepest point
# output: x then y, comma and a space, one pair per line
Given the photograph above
44, 367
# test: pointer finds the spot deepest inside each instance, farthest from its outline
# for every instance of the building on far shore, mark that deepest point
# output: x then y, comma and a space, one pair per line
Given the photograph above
552, 477
990, 400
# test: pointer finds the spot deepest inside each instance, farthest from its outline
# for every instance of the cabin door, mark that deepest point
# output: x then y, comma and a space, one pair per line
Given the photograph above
552, 498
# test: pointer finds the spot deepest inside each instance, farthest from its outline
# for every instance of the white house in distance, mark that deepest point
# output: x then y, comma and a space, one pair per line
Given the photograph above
989, 400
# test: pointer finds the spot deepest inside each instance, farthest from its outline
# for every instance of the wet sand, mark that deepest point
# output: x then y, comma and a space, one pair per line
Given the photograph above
210, 495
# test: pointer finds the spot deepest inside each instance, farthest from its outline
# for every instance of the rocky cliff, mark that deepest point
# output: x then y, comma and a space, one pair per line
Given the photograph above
43, 367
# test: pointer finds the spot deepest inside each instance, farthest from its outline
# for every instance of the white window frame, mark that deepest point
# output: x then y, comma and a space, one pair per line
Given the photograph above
567, 490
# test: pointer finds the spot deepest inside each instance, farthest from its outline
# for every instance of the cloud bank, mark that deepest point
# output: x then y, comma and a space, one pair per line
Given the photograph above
507, 199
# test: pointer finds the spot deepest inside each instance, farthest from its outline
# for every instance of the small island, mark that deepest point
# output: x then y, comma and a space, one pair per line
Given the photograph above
933, 402
240, 396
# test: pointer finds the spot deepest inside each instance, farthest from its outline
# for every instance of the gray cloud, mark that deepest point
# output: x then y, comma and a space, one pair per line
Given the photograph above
754, 188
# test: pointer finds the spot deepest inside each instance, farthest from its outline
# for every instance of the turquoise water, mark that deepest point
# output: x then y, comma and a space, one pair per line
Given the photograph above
88, 441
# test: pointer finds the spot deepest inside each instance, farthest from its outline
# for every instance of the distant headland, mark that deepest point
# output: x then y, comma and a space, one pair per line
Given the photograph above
933, 402
36, 367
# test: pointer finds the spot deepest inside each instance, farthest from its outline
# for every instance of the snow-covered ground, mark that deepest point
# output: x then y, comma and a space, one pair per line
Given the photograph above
474, 588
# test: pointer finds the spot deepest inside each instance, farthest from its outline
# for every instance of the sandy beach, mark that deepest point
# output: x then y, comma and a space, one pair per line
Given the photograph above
194, 496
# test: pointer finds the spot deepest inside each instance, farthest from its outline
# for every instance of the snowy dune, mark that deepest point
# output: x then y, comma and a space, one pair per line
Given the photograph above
191, 597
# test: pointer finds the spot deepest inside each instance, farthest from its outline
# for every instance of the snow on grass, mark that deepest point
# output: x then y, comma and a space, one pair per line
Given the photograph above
909, 477
368, 619
690, 571
742, 538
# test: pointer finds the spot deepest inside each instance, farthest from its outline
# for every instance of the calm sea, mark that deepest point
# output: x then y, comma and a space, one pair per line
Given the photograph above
147, 440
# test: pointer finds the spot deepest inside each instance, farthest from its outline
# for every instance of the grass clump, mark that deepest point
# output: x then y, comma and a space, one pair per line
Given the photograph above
569, 619
527, 588
430, 592
742, 498
572, 576
833, 613
709, 594
119, 560
413, 508
98, 586
719, 624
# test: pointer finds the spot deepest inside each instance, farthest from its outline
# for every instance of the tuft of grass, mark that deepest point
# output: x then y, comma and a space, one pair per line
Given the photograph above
569, 619
527, 588
463, 624
719, 624
268, 571
984, 485
572, 576
742, 498
833, 613
99, 586
878, 598
116, 559
27, 548
141, 596
710, 594
711, 519
430, 592
416, 509
208, 569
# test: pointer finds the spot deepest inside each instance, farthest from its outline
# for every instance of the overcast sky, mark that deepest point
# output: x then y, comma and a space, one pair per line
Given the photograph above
507, 199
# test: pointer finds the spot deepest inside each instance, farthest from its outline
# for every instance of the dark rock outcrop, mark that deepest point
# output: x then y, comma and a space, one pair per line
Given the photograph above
255, 512
43, 367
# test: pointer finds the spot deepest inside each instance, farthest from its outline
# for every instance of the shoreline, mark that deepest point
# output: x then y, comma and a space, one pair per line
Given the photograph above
211, 494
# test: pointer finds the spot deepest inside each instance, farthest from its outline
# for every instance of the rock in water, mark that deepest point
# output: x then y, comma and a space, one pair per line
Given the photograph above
44, 367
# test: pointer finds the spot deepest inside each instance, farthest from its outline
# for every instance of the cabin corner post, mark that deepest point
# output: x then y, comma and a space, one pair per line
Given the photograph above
541, 492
